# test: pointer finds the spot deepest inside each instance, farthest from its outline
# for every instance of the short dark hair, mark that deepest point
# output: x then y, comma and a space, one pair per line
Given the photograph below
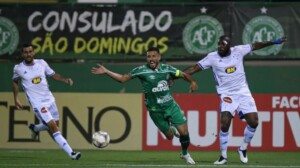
225, 38
153, 49
25, 45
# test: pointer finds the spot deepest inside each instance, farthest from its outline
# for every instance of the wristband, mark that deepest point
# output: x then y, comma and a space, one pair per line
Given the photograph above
278, 41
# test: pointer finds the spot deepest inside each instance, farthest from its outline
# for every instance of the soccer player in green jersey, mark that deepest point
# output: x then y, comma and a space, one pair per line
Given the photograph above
163, 109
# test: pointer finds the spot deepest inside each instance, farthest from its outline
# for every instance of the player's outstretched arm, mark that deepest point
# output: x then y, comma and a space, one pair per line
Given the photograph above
260, 45
58, 77
192, 69
18, 104
187, 77
100, 70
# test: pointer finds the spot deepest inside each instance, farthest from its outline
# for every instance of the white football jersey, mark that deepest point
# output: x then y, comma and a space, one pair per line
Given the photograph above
228, 71
34, 82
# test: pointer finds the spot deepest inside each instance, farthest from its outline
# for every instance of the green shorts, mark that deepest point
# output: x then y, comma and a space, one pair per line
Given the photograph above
162, 119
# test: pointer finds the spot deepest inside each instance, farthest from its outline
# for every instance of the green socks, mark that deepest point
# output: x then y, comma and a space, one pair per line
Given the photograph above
185, 142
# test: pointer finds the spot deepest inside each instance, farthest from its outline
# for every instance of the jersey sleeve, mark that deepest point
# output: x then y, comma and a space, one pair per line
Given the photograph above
49, 71
174, 71
135, 72
204, 63
244, 49
16, 75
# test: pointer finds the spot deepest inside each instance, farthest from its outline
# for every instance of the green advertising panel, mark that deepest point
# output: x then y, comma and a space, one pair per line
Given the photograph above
261, 79
124, 32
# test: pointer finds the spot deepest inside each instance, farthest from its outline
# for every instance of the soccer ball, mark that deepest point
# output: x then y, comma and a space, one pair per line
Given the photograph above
100, 139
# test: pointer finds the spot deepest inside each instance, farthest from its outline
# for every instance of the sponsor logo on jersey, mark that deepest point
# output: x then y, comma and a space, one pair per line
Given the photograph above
44, 110
9, 36
152, 77
227, 99
161, 86
164, 99
230, 70
36, 80
263, 28
201, 34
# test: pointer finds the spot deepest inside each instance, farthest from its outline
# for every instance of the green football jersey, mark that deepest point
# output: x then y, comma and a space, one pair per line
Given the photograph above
155, 85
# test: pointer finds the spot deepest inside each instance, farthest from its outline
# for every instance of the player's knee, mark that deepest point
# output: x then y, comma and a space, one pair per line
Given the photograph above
169, 136
225, 121
183, 132
225, 127
253, 124
52, 126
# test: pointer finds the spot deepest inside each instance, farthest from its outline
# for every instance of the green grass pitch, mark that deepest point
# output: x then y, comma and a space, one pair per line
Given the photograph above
124, 159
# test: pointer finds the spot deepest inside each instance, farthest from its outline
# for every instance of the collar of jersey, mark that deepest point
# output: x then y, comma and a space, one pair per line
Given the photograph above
28, 64
156, 69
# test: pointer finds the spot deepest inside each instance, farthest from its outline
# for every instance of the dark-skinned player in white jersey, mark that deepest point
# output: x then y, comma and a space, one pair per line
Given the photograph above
231, 84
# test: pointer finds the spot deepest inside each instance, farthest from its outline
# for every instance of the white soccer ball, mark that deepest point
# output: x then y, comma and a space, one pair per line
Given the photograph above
101, 139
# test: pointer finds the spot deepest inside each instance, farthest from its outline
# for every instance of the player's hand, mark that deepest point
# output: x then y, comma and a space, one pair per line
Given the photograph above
99, 70
70, 81
18, 104
193, 86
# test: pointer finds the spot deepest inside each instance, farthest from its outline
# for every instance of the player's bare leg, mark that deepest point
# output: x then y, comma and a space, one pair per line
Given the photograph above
170, 134
172, 131
252, 123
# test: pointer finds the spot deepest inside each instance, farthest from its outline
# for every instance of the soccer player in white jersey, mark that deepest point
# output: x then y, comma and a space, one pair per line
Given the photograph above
32, 74
231, 84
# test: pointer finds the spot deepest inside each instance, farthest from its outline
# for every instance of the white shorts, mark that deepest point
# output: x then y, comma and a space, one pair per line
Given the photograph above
46, 112
241, 103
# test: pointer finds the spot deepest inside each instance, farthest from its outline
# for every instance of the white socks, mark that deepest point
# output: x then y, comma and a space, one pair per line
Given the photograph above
40, 127
223, 143
248, 135
224, 136
61, 141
